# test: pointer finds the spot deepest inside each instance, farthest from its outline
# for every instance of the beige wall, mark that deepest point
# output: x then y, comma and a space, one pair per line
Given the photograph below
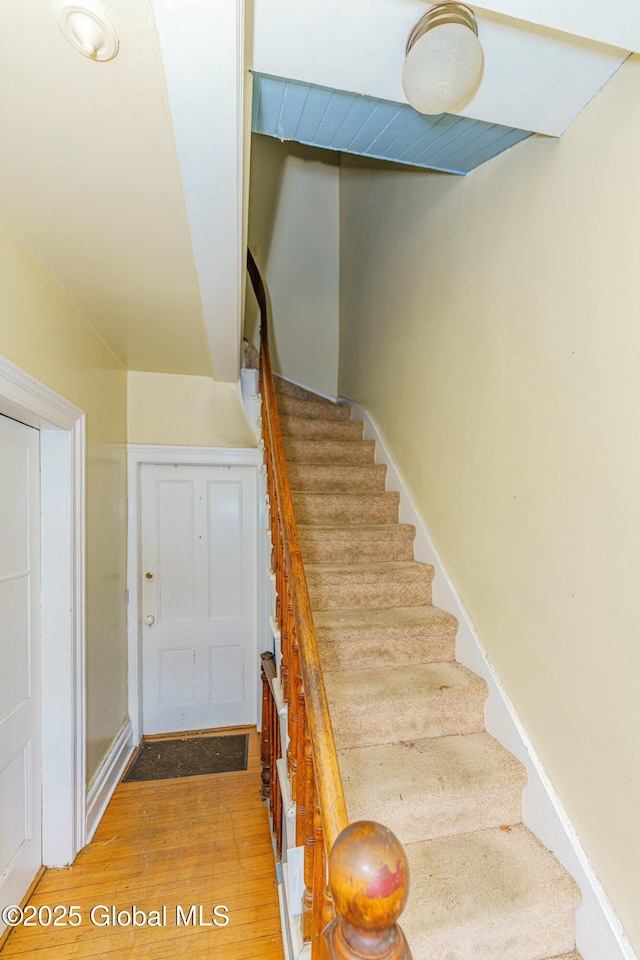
42, 332
294, 224
167, 408
492, 327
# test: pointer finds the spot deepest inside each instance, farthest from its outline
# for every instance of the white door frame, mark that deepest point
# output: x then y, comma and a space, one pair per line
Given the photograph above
62, 495
137, 455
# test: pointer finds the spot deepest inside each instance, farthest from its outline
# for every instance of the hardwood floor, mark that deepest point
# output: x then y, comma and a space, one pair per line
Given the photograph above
201, 841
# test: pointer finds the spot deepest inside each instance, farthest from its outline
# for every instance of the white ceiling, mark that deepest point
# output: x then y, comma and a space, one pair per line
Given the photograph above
89, 177
535, 77
608, 21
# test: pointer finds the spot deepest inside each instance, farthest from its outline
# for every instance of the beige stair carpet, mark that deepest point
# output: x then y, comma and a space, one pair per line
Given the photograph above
408, 719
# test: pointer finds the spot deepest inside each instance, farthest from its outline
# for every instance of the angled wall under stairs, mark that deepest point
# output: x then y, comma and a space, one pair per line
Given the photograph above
409, 720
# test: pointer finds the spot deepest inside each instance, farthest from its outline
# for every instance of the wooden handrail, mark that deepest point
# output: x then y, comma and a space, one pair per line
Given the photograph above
356, 876
325, 758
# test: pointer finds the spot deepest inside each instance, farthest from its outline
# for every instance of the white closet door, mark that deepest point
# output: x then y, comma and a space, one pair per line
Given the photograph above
20, 686
198, 597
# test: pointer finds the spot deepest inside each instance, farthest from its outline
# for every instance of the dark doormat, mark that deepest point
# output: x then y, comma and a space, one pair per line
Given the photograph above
189, 757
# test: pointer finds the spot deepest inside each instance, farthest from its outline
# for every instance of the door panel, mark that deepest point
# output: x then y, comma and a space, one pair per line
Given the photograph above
177, 677
199, 653
226, 674
176, 561
226, 596
20, 686
15, 679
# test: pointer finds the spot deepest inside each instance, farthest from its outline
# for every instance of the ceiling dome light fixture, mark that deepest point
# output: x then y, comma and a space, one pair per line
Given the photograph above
444, 59
89, 28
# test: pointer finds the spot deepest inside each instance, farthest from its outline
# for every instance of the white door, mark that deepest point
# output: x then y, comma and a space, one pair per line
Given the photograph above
198, 597
20, 688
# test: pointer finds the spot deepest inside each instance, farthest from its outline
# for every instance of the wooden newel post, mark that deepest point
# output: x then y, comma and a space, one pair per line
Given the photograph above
369, 881
266, 744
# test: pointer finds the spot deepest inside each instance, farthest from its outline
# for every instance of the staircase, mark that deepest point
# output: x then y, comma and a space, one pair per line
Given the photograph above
408, 720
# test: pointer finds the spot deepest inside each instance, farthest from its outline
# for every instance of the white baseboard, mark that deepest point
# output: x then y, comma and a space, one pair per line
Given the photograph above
108, 776
284, 925
599, 934
299, 949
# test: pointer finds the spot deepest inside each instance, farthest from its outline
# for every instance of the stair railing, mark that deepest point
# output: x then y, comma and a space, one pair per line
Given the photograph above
355, 876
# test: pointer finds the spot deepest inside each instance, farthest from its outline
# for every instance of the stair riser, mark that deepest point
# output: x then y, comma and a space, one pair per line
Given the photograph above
305, 429
445, 815
294, 407
328, 451
335, 479
375, 551
388, 722
548, 936
358, 596
340, 508
338, 654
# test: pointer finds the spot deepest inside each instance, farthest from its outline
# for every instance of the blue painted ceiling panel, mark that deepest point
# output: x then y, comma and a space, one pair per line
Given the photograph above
348, 122
399, 129
358, 113
333, 118
430, 138
292, 106
508, 139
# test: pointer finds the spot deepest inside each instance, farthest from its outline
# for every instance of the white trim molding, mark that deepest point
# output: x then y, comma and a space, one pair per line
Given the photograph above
62, 495
108, 776
599, 933
137, 455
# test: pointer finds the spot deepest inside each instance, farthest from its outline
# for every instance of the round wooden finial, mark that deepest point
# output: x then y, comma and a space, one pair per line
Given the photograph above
369, 876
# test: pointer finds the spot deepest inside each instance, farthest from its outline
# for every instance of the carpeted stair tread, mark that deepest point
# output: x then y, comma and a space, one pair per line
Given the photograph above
401, 583
337, 478
356, 543
306, 429
387, 637
434, 788
342, 508
296, 407
328, 451
409, 702
488, 895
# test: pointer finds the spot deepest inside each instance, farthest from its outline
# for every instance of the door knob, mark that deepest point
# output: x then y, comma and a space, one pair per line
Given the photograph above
149, 619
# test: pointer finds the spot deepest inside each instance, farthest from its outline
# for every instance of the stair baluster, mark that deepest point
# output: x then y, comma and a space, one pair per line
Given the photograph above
284, 624
309, 837
319, 877
292, 750
277, 797
300, 796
